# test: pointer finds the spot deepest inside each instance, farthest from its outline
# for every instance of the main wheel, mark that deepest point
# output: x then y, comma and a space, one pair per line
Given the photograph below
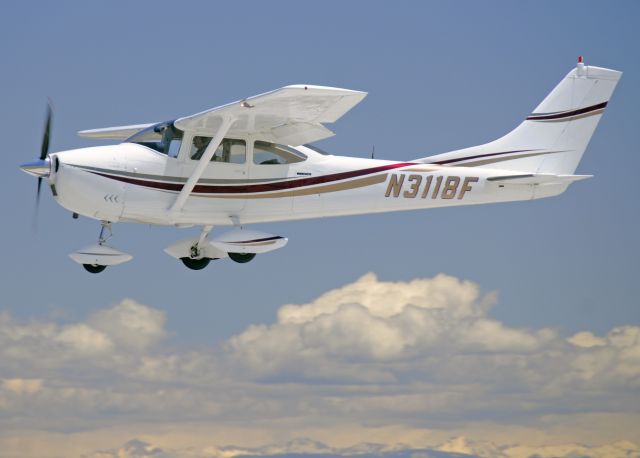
241, 257
195, 264
94, 268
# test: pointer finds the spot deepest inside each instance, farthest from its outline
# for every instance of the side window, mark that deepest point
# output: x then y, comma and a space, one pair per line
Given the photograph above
266, 153
230, 150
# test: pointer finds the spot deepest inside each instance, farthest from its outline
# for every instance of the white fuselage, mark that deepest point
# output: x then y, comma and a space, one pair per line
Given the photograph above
133, 183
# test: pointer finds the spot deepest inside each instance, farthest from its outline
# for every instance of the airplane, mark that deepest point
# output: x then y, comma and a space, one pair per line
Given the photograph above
252, 161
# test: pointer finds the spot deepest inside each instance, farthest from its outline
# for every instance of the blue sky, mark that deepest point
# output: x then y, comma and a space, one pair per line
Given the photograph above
440, 76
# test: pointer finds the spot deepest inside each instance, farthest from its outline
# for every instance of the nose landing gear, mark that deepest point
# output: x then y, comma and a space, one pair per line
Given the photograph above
105, 226
96, 258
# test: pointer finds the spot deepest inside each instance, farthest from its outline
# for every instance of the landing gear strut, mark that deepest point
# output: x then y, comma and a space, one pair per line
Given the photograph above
195, 260
104, 229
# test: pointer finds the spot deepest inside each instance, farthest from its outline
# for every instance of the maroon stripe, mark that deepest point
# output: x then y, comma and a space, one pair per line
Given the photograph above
276, 237
251, 188
566, 114
459, 159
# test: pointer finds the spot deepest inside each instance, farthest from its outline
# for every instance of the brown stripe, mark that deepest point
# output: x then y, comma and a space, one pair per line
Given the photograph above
345, 186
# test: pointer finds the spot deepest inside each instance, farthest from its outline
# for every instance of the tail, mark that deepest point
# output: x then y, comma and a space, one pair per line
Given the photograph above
553, 138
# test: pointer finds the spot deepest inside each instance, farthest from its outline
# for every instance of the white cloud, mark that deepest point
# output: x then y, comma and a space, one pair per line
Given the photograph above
585, 339
84, 339
422, 360
22, 385
119, 331
133, 326
371, 321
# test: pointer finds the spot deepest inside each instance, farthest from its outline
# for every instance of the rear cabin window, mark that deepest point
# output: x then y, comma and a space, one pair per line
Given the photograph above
230, 150
265, 153
165, 138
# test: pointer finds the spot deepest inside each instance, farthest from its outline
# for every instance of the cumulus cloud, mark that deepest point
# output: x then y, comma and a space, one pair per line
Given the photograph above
118, 330
376, 322
418, 360
131, 325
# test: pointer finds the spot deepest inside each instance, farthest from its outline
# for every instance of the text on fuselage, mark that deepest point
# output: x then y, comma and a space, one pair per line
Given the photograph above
429, 187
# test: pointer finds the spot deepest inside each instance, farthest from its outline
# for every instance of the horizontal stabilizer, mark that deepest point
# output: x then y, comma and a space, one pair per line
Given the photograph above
536, 179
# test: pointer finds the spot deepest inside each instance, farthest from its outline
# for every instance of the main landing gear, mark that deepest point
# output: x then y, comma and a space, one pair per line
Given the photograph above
196, 259
241, 257
197, 253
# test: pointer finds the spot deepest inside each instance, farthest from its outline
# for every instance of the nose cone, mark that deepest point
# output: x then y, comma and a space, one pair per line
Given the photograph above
40, 168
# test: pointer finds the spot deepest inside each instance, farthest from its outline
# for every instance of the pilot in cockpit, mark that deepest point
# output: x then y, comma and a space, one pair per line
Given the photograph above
199, 146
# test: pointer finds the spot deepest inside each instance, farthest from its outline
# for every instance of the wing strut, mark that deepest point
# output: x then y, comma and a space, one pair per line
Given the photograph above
204, 161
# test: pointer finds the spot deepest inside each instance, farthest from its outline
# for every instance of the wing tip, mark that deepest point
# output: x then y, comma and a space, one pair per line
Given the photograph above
325, 89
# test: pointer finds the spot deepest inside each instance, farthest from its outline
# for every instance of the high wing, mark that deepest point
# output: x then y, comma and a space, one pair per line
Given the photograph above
114, 133
292, 115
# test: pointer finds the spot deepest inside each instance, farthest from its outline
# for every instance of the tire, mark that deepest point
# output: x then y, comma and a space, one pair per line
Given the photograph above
195, 264
241, 257
94, 268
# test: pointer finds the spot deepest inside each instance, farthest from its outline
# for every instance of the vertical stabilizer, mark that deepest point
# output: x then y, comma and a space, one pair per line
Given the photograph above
554, 137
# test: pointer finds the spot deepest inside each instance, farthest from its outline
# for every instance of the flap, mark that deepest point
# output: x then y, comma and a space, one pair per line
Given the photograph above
292, 115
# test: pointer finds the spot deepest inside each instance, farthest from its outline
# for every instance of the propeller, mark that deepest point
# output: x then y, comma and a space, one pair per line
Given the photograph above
42, 167
44, 149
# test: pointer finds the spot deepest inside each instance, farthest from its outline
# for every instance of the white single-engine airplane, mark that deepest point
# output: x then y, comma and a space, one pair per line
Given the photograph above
251, 162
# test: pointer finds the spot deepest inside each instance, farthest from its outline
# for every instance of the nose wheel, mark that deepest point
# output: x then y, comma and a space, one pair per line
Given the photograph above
94, 268
105, 234
95, 258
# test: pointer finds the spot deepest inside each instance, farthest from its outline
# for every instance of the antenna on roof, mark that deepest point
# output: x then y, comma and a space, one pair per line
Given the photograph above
373, 151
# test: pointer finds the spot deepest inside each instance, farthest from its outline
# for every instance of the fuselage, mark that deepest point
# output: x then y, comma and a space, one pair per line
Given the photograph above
134, 183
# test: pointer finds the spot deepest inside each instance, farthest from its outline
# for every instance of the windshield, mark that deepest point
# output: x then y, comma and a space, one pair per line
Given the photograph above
164, 137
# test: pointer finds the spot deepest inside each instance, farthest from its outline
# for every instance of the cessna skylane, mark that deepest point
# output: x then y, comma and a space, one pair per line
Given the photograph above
252, 161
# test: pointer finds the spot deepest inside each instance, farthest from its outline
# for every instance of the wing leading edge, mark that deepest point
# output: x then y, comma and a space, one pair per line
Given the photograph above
293, 115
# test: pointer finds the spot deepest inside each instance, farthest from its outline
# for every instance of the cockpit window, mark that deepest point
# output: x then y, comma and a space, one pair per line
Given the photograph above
164, 138
266, 153
230, 150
